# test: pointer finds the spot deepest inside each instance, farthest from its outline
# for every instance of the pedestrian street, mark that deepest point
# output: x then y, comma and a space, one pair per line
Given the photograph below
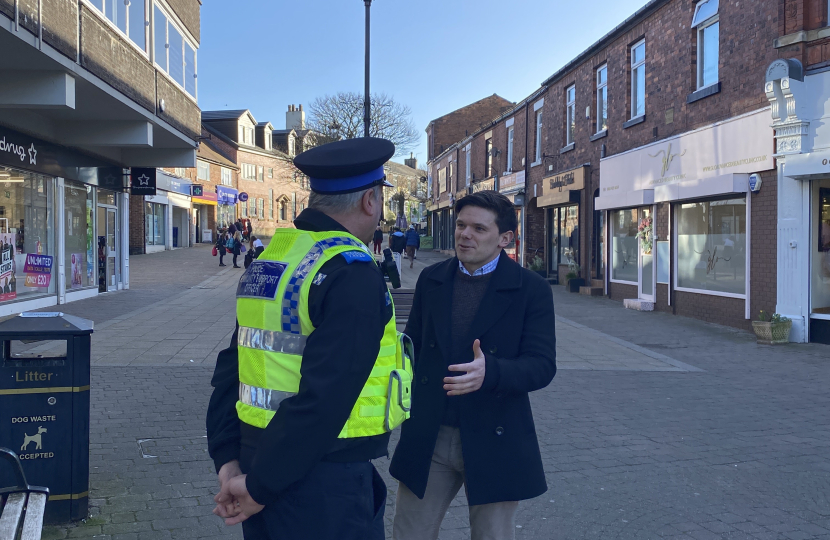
700, 434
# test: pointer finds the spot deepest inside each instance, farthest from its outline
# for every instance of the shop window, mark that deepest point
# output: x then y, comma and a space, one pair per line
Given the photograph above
26, 228
638, 79
624, 244
155, 225
79, 238
602, 98
705, 20
711, 246
570, 104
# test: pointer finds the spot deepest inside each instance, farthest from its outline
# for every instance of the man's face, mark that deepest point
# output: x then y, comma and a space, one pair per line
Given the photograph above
477, 238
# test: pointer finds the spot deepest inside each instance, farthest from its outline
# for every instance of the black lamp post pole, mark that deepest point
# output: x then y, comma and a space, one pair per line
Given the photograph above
366, 96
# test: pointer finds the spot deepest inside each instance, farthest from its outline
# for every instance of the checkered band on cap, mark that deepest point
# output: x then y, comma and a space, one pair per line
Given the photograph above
291, 300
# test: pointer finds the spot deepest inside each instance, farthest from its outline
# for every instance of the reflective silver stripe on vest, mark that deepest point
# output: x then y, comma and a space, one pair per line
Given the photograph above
262, 398
269, 340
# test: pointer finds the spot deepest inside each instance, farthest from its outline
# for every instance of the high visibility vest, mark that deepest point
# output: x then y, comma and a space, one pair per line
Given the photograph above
274, 325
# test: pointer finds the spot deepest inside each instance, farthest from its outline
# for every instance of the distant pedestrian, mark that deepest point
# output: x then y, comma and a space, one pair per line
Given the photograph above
236, 247
254, 250
231, 228
397, 243
471, 419
377, 239
413, 242
221, 240
250, 229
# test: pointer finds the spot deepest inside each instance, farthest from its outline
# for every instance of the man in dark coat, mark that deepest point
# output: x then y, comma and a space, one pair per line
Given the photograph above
484, 336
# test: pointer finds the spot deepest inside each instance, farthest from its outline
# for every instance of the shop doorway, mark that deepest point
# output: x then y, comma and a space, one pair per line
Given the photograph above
645, 264
107, 233
820, 263
563, 240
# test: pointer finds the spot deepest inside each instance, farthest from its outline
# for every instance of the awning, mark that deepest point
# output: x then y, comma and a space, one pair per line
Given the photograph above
625, 199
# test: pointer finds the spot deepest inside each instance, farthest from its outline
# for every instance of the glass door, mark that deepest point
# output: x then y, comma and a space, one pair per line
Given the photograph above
646, 268
820, 271
107, 276
112, 283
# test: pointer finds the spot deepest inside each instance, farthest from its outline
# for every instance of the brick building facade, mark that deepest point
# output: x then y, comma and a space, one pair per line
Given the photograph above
647, 94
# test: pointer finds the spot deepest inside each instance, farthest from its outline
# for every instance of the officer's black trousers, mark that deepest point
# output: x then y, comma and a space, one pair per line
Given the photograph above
334, 501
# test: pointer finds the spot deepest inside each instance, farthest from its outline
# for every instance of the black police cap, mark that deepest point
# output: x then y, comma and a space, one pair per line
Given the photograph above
346, 166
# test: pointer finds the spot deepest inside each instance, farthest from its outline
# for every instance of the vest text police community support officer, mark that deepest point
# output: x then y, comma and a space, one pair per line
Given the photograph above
316, 375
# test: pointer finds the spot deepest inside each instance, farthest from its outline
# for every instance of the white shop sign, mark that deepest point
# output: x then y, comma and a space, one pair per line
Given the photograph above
710, 155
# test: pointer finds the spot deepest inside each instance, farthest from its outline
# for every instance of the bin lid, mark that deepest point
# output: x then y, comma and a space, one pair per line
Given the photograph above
45, 325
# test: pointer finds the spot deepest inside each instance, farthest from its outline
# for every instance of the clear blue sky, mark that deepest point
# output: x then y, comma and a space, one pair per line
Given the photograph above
433, 55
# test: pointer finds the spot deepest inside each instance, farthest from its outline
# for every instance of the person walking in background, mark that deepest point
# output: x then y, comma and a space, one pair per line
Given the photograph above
397, 243
221, 240
236, 247
250, 228
254, 250
413, 242
483, 332
377, 239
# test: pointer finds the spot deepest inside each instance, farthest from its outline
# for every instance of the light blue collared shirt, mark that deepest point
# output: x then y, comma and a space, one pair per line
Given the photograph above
486, 269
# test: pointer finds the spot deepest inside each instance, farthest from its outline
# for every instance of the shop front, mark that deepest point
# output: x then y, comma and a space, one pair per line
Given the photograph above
512, 186
204, 213
48, 223
226, 198
678, 219
561, 195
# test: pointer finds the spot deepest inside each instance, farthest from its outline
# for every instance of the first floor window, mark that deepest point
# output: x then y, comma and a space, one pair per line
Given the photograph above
711, 246
570, 128
270, 204
154, 224
638, 79
260, 208
602, 98
261, 173
510, 150
203, 170
172, 51
248, 171
538, 136
227, 179
270, 172
468, 165
252, 207
243, 208
708, 45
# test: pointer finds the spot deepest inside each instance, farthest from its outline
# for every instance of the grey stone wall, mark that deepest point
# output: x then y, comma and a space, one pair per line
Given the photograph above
107, 54
179, 110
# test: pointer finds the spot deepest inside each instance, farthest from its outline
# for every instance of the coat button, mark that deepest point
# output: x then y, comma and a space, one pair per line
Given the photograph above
424, 379
499, 430
432, 344
493, 350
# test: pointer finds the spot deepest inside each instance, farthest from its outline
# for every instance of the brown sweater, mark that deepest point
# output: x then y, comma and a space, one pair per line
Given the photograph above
467, 292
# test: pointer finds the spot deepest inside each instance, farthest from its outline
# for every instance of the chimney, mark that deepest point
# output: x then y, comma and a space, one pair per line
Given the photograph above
412, 161
295, 117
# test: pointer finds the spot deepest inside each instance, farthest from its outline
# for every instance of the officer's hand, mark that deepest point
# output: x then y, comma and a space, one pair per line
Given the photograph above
225, 504
472, 380
246, 504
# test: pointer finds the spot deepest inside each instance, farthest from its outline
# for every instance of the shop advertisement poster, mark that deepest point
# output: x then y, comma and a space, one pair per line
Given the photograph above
77, 270
38, 270
8, 283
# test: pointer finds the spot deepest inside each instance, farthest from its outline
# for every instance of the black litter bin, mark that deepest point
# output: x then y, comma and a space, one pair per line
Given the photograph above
44, 400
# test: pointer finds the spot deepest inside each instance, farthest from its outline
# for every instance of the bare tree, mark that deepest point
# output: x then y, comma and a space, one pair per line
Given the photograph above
340, 116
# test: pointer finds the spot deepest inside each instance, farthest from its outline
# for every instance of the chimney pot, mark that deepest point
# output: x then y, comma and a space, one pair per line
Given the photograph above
301, 106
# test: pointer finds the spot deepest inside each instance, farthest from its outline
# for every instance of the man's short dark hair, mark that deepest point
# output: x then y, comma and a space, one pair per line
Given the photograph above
495, 202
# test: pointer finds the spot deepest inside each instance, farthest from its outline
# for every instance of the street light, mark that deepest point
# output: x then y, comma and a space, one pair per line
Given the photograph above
366, 97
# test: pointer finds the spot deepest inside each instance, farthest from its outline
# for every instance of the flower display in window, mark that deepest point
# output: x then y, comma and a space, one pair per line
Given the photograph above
644, 234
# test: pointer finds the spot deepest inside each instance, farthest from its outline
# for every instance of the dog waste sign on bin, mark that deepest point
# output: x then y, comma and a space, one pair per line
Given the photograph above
44, 407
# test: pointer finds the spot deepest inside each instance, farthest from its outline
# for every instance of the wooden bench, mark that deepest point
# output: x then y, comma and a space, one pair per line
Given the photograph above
403, 304
22, 506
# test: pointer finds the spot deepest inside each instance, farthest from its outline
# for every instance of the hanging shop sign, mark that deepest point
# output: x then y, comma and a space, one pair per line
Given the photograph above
562, 188
143, 181
196, 190
243, 197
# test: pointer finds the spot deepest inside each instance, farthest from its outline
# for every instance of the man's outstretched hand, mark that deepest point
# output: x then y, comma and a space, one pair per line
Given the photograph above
472, 380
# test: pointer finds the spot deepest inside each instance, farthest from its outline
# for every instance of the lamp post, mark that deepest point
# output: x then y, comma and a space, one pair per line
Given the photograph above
366, 96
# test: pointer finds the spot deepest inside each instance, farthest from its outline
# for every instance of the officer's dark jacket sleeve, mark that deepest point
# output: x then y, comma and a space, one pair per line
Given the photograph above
338, 358
222, 420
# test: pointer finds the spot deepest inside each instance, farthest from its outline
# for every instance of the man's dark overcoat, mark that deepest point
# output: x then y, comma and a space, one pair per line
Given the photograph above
515, 324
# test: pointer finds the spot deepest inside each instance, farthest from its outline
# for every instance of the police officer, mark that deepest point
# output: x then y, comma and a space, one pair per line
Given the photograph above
301, 399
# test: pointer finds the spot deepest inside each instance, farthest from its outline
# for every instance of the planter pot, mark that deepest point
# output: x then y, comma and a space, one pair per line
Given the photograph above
574, 284
769, 333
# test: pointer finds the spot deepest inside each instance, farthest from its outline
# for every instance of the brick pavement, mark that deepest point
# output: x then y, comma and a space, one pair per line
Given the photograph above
682, 430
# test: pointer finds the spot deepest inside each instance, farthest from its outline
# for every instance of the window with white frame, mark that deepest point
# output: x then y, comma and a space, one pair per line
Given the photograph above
243, 208
538, 158
180, 172
260, 208
602, 98
252, 207
203, 170
270, 204
270, 172
510, 150
638, 79
129, 17
570, 128
468, 165
706, 21
173, 52
248, 171
246, 135
227, 177
260, 173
